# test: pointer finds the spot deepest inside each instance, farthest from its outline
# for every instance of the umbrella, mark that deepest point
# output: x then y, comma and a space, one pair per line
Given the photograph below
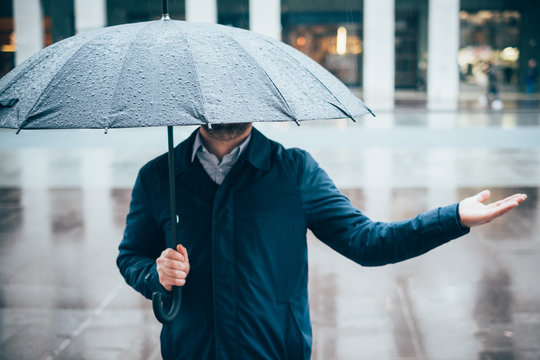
168, 73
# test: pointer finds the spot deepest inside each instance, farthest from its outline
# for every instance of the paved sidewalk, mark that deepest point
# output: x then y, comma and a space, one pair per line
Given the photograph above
64, 196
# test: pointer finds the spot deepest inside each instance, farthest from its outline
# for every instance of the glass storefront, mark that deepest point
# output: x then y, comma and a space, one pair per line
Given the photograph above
489, 46
411, 44
130, 11
331, 33
7, 37
233, 13
334, 40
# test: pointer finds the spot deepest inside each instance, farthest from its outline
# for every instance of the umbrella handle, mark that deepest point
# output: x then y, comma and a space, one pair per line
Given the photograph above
159, 310
157, 304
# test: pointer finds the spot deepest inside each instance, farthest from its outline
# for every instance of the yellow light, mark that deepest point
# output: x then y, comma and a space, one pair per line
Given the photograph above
300, 41
510, 54
8, 48
341, 43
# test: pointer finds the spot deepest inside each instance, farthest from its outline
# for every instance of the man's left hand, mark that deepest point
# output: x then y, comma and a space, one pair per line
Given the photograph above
473, 212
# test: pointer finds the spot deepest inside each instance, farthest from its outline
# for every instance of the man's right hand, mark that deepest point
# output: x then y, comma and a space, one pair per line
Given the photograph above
173, 267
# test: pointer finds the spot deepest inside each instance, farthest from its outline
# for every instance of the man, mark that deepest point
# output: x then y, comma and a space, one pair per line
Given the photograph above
530, 77
245, 203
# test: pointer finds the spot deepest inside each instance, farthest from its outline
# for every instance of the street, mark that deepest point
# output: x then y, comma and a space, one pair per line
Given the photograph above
64, 196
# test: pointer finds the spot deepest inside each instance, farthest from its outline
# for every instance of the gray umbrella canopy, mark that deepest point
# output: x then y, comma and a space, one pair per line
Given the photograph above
169, 72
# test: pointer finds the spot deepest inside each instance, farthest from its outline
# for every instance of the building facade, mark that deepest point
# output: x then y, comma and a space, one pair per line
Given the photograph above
437, 48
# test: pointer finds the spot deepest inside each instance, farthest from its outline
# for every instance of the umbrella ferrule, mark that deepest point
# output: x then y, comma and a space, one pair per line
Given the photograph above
165, 8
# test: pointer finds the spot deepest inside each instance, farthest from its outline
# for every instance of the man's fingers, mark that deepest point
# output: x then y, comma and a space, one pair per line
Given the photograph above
519, 198
171, 272
172, 254
175, 274
482, 195
502, 209
171, 264
503, 201
183, 251
167, 282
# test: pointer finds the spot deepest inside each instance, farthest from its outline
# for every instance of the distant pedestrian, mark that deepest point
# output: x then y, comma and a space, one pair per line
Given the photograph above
493, 89
491, 98
530, 77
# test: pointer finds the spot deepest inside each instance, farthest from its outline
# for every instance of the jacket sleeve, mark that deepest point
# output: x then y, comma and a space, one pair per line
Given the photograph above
142, 244
332, 219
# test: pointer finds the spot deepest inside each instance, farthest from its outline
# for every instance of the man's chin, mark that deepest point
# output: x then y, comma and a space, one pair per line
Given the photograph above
224, 132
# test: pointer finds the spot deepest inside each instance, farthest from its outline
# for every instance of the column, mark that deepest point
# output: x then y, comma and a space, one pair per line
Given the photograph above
379, 180
379, 58
443, 46
201, 11
90, 15
96, 183
28, 28
265, 17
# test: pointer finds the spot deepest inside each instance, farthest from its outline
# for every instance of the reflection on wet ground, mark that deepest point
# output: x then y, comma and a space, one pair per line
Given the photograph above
476, 297
62, 212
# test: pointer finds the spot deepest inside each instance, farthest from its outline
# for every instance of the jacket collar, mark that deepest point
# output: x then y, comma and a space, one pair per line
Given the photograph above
182, 154
257, 152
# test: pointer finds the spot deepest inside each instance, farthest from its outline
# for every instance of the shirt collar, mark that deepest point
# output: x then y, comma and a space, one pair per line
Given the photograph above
198, 145
257, 153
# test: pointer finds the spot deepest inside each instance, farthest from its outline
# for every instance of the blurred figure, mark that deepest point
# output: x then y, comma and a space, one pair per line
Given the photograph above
530, 77
492, 89
492, 95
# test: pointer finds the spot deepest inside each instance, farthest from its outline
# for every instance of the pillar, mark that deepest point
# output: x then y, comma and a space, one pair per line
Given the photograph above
265, 17
201, 11
90, 15
443, 46
378, 182
379, 57
28, 28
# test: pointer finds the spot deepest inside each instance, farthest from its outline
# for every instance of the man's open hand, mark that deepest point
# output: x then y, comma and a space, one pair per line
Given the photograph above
173, 267
473, 212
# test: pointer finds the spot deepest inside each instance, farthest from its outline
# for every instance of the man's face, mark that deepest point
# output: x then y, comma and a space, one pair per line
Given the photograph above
224, 132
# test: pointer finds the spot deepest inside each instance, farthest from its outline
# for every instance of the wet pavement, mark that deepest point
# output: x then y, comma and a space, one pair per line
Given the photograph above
64, 196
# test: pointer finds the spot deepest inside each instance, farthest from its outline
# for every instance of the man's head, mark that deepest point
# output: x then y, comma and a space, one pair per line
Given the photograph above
227, 132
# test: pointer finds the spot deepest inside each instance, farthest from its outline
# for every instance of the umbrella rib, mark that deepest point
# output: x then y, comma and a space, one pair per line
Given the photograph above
23, 72
26, 70
342, 108
201, 95
119, 77
26, 117
292, 114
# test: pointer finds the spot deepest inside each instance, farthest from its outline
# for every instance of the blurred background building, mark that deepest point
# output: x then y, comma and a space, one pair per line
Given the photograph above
428, 52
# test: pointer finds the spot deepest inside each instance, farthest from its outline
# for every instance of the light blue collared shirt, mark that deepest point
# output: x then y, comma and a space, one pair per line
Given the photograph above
215, 169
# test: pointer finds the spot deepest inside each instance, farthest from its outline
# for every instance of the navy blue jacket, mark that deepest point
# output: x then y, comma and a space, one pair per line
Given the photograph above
246, 294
